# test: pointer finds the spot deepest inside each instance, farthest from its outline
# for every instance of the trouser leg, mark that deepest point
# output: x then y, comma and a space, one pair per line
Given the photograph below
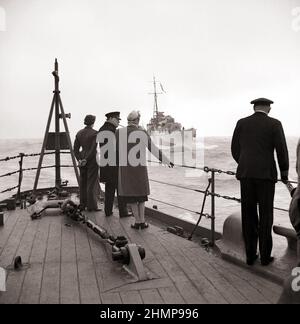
109, 197
92, 181
266, 191
122, 206
83, 187
249, 217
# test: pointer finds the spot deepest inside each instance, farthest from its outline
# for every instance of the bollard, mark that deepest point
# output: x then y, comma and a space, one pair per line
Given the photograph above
11, 204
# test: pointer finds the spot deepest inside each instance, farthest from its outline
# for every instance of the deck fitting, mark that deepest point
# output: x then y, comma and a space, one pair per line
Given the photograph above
136, 267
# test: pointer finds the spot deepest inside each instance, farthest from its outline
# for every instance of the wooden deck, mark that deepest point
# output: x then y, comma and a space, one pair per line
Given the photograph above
71, 265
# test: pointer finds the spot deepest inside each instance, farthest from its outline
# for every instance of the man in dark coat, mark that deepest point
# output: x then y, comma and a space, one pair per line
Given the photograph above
109, 172
253, 144
85, 153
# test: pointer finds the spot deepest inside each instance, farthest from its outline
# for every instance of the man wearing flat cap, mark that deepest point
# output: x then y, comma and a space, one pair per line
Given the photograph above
109, 171
85, 153
253, 144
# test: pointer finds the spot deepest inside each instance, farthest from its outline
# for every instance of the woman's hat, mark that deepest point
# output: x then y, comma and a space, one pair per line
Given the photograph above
133, 115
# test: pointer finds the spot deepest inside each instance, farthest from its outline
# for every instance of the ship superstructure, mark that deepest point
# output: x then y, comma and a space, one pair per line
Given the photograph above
160, 122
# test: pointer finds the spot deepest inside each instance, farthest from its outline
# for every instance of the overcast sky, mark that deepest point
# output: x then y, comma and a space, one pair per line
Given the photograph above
212, 57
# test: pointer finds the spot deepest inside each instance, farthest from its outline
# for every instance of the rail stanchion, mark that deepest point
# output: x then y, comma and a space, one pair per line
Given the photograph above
213, 206
202, 209
20, 176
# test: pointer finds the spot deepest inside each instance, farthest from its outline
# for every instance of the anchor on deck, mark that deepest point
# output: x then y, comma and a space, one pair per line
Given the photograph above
129, 254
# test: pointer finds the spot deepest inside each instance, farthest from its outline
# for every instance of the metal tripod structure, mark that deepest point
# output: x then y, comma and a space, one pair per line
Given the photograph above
58, 140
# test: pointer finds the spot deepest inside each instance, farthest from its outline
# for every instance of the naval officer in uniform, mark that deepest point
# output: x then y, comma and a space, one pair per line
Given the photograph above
109, 171
85, 153
253, 144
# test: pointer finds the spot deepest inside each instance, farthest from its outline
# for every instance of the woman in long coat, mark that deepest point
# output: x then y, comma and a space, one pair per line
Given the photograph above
133, 182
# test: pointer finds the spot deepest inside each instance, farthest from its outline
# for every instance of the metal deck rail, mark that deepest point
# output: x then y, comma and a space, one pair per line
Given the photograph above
21, 157
212, 184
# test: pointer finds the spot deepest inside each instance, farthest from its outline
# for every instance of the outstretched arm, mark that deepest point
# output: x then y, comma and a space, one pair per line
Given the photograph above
159, 154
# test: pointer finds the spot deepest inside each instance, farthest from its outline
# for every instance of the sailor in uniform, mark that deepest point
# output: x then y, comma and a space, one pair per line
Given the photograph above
85, 153
253, 144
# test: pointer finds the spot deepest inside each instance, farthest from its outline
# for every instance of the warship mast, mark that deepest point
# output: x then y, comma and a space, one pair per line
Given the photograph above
155, 109
159, 122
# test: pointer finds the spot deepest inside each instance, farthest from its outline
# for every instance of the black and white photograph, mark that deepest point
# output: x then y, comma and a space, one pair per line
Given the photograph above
149, 154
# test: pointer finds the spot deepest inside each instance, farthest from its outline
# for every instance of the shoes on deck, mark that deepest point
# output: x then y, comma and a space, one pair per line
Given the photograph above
144, 225
135, 225
251, 261
267, 262
140, 225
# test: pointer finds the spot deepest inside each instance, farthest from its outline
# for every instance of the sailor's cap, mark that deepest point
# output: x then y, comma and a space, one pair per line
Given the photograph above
262, 101
113, 114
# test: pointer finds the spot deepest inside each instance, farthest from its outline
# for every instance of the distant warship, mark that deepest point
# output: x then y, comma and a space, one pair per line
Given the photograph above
161, 123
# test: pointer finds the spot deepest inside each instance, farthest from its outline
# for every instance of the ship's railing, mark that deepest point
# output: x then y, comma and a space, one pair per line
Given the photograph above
20, 171
212, 179
212, 184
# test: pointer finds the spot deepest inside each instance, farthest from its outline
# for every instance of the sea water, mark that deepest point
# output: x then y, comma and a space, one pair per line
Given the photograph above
215, 153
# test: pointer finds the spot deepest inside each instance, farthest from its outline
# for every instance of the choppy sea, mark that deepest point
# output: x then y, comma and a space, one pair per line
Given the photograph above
215, 153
